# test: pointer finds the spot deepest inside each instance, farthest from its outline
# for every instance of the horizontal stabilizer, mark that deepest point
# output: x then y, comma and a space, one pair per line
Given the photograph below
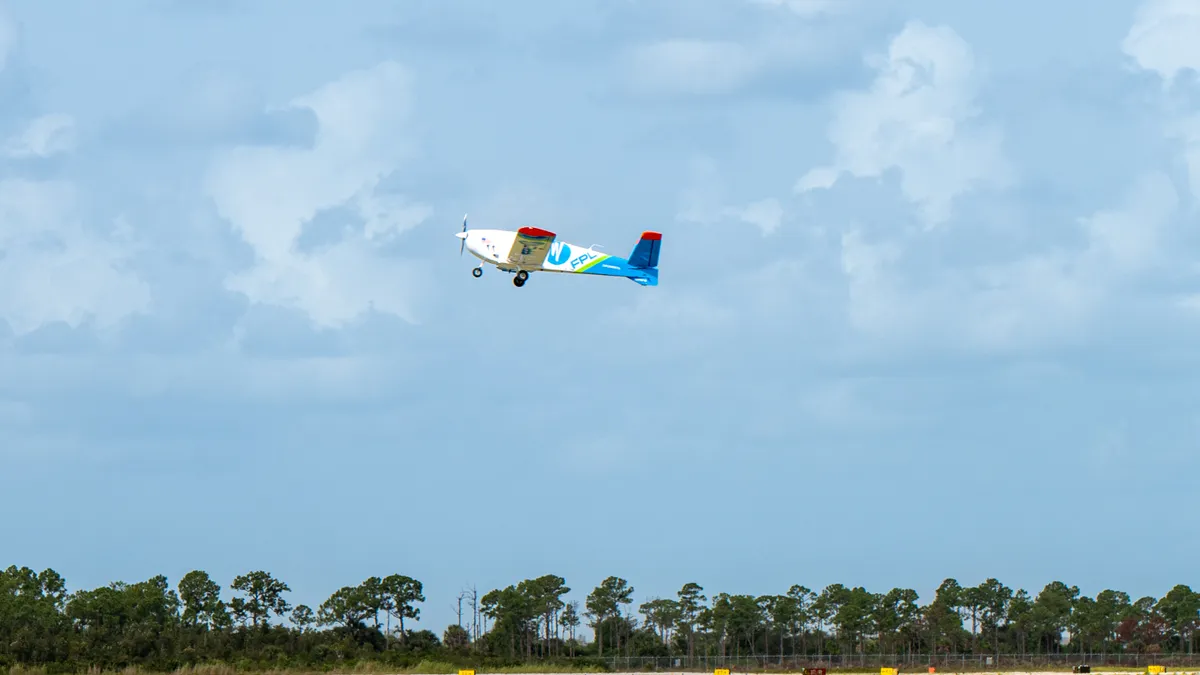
645, 254
650, 278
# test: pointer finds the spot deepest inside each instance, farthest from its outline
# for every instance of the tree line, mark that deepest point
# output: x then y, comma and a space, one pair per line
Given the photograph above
157, 627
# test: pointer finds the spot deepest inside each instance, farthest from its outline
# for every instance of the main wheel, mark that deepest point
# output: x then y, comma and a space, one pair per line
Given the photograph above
477, 272
523, 275
518, 281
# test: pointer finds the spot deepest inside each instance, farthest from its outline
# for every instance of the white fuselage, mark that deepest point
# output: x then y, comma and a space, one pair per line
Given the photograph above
491, 246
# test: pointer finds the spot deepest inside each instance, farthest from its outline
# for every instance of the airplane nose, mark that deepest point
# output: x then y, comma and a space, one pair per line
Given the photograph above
461, 235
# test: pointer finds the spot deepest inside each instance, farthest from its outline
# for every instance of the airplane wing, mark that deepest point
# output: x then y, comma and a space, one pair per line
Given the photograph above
530, 247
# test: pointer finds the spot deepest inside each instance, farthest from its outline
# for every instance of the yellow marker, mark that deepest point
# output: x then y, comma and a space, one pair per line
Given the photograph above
466, 672
721, 671
889, 671
1154, 670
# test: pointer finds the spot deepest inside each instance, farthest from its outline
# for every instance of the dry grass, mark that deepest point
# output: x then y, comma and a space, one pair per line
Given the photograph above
446, 668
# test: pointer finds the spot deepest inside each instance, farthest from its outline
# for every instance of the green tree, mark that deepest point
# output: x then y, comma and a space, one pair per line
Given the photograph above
994, 599
828, 606
401, 594
570, 621
942, 615
1113, 607
456, 638
201, 597
661, 616
264, 596
348, 607
1052, 612
893, 612
691, 602
546, 594
801, 612
303, 617
1181, 609
1020, 618
604, 602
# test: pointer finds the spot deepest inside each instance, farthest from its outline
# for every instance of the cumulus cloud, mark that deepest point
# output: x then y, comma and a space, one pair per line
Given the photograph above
45, 136
1034, 300
703, 202
270, 193
57, 264
1165, 39
54, 267
775, 47
917, 117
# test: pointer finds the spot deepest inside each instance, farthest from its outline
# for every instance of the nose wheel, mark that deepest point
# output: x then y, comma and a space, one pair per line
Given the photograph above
520, 279
477, 272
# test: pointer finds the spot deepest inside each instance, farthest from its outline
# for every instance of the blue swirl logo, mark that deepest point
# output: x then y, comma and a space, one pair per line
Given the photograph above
559, 253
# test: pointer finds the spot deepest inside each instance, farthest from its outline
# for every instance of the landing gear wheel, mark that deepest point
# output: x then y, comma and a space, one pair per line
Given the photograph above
519, 281
523, 276
477, 272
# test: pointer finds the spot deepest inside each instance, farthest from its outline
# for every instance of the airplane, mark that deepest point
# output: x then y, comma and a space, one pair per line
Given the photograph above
532, 249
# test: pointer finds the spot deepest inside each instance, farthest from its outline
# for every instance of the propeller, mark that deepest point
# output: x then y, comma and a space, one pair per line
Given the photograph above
463, 236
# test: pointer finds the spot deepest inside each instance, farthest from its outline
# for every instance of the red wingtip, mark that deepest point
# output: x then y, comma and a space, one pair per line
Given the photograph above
535, 232
652, 236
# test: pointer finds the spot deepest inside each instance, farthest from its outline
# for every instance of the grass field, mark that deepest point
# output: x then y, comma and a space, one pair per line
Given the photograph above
440, 668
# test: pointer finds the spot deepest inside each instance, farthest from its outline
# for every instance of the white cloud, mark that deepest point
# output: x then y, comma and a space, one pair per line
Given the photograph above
703, 202
765, 214
691, 66
388, 216
269, 193
808, 8
822, 178
1186, 130
43, 137
54, 268
1031, 301
1165, 38
688, 66
54, 265
1128, 240
917, 117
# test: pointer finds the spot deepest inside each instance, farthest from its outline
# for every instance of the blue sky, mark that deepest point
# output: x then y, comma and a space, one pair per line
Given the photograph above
929, 300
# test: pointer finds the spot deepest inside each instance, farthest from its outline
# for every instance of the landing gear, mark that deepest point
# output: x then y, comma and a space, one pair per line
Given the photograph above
521, 278
477, 272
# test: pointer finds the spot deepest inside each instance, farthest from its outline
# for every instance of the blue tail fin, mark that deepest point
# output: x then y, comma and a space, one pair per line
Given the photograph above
645, 254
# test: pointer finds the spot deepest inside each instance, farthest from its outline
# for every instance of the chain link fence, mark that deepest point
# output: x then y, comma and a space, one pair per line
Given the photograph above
905, 662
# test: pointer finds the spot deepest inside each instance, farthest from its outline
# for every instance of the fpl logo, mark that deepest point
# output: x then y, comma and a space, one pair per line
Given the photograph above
561, 253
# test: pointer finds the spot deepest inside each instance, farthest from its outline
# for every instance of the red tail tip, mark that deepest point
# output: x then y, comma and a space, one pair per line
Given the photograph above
652, 236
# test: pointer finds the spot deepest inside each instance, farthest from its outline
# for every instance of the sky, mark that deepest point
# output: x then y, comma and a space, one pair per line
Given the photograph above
929, 301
